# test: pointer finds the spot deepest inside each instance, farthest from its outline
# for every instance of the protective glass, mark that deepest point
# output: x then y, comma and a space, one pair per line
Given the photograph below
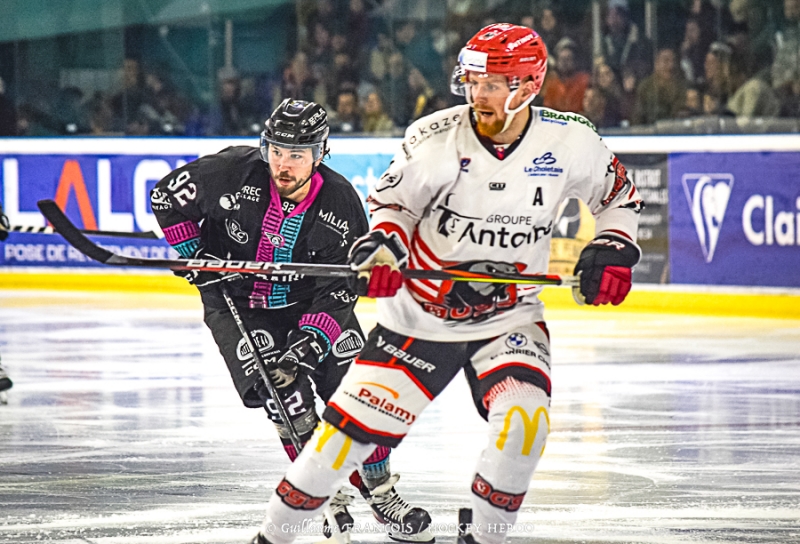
290, 157
486, 85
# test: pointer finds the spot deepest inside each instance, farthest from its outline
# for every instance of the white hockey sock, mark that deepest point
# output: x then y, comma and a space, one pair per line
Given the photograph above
519, 423
313, 479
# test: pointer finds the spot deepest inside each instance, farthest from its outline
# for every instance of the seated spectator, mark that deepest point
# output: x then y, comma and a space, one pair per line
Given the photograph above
394, 90
374, 119
617, 101
550, 30
345, 120
162, 105
564, 88
718, 75
126, 102
595, 109
623, 45
419, 94
693, 52
298, 81
233, 114
418, 50
693, 103
660, 95
752, 96
786, 66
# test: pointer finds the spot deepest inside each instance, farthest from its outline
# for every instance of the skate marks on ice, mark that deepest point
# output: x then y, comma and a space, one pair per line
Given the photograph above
122, 428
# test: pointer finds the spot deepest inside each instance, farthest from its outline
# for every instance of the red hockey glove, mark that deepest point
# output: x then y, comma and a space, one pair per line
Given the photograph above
377, 257
605, 267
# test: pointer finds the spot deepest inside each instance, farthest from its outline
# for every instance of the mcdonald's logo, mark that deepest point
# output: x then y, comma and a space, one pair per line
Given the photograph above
530, 426
326, 431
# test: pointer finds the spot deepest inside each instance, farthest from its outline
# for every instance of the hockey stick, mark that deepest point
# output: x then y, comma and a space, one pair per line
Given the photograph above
150, 235
273, 392
80, 242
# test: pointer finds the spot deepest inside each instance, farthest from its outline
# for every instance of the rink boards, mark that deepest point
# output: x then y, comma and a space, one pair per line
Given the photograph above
721, 210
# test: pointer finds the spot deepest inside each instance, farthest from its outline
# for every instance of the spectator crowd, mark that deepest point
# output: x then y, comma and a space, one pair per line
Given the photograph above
376, 71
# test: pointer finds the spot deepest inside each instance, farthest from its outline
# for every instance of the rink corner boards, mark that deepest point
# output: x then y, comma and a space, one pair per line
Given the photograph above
682, 299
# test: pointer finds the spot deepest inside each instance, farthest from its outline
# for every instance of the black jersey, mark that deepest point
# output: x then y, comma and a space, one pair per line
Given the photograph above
227, 205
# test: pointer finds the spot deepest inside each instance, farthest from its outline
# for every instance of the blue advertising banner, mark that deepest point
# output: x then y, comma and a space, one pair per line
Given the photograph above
98, 192
51, 250
735, 218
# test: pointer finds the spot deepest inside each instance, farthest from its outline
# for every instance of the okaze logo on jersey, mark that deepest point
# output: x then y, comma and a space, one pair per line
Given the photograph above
435, 127
708, 196
516, 340
543, 166
235, 231
348, 344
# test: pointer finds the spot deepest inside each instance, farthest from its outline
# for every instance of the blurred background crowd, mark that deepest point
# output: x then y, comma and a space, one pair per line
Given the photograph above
217, 68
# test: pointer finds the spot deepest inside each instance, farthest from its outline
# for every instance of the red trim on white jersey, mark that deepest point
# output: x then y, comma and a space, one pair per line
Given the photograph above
348, 418
388, 227
404, 369
520, 364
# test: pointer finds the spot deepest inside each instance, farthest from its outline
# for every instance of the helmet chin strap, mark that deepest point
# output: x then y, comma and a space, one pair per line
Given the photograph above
511, 113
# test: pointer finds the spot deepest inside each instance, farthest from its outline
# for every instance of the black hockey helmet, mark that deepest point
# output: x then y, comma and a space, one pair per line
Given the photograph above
296, 124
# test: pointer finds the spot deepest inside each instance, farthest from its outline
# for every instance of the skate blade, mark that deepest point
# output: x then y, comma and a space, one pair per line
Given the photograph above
423, 536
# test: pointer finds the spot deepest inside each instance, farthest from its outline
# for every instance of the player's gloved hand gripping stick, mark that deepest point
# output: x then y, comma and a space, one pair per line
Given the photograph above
604, 268
377, 257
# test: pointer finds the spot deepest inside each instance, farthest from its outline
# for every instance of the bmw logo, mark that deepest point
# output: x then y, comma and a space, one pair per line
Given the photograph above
516, 340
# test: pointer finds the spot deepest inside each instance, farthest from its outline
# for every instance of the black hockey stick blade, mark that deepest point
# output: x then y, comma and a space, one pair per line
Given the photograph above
149, 235
79, 241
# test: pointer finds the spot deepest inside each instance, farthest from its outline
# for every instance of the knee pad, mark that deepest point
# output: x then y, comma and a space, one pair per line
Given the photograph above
519, 422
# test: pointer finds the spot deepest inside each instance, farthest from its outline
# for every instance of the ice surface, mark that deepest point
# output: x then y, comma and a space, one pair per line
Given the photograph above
123, 428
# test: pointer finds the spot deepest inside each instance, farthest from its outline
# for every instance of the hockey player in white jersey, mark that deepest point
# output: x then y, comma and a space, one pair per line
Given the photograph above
474, 187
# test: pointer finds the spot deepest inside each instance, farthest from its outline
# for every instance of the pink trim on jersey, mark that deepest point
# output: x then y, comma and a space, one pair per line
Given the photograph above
181, 232
323, 322
273, 219
316, 185
271, 223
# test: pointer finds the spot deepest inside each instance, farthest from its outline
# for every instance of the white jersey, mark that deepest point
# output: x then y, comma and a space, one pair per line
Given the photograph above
457, 205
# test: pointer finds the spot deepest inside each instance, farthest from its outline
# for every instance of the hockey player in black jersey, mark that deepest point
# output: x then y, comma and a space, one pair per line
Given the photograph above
279, 203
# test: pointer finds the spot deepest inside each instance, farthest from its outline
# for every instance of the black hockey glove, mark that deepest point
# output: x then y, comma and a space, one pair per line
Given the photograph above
201, 278
304, 351
5, 226
377, 258
604, 267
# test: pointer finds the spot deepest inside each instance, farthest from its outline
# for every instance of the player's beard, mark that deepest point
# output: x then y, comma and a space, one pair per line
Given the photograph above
490, 129
286, 190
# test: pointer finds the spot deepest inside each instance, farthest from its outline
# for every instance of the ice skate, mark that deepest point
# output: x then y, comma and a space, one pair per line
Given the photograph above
464, 520
404, 523
344, 520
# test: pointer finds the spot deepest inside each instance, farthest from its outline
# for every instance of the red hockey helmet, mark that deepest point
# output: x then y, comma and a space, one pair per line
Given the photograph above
510, 50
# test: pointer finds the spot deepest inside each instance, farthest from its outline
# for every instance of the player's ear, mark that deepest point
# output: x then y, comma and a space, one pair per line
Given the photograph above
526, 88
